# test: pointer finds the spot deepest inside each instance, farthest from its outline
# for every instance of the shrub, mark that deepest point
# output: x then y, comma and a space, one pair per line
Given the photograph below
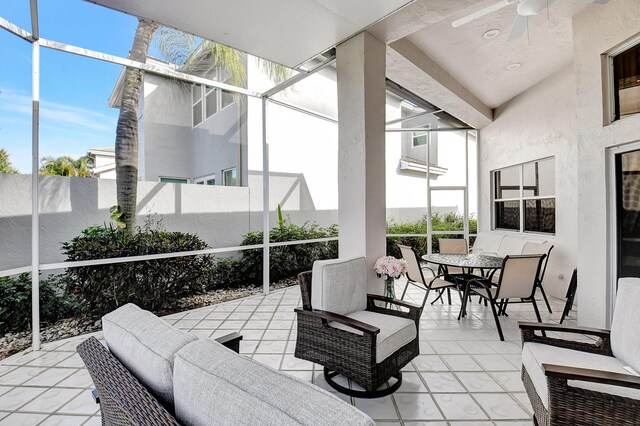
228, 272
15, 302
450, 222
285, 261
151, 284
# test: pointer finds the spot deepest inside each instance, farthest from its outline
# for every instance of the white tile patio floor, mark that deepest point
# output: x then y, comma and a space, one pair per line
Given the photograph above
464, 375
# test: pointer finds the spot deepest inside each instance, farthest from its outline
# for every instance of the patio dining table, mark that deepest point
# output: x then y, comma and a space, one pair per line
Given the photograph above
487, 265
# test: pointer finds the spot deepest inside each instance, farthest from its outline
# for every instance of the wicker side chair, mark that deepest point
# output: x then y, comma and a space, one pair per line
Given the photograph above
345, 344
578, 383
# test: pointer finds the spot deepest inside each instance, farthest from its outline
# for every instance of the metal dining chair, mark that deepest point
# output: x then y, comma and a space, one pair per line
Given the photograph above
415, 276
517, 281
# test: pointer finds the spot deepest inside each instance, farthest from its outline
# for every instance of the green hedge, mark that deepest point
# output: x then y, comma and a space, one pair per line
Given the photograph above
448, 222
150, 284
285, 261
15, 302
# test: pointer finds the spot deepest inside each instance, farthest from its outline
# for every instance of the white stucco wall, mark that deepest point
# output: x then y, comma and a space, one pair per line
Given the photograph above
219, 215
595, 31
539, 123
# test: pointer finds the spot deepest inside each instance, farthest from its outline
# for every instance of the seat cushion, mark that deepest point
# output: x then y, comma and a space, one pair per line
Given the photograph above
625, 334
536, 354
395, 332
216, 386
339, 285
146, 346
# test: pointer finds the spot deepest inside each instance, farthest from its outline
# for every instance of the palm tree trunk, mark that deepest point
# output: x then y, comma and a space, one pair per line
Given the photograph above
127, 130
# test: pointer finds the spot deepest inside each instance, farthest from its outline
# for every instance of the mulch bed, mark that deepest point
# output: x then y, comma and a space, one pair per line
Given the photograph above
12, 343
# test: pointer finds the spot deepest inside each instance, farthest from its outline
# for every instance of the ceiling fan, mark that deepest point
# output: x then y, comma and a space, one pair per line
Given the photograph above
526, 9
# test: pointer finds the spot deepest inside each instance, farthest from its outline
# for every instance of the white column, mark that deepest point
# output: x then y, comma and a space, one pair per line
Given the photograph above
361, 151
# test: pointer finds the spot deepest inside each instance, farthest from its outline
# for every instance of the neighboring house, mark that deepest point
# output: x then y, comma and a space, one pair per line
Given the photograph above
202, 135
104, 162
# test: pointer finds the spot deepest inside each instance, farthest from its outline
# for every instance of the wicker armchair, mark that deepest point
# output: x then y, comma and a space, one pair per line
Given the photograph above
344, 344
579, 383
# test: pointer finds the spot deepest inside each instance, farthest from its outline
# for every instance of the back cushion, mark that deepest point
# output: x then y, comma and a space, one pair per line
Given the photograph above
146, 346
625, 334
511, 245
215, 386
487, 242
339, 285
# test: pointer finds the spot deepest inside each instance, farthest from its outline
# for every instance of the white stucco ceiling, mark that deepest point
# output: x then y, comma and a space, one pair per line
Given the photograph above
286, 31
480, 64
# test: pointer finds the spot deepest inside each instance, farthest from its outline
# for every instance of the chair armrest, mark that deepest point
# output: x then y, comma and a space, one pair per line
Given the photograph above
602, 346
564, 329
393, 301
594, 376
330, 316
231, 341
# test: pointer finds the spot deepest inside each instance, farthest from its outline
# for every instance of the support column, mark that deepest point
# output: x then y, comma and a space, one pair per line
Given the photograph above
361, 151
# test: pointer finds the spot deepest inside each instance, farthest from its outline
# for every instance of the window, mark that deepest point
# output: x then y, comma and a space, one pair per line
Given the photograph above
206, 180
419, 138
173, 180
524, 197
226, 99
229, 177
211, 101
196, 98
626, 82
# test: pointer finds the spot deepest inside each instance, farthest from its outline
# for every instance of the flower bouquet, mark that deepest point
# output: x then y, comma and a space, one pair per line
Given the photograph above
390, 268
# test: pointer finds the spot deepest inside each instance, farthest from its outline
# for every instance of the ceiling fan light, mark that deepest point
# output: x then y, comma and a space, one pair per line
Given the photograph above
491, 33
531, 7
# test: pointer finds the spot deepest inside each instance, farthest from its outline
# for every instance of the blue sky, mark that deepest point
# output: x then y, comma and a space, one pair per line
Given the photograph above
74, 90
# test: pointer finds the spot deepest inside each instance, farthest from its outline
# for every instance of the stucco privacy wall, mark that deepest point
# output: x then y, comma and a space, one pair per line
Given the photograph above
539, 123
595, 31
220, 215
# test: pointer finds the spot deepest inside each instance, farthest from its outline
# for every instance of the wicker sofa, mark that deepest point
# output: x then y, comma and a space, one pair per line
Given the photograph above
153, 374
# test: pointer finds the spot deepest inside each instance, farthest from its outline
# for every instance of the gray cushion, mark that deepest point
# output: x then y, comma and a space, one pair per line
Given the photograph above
339, 285
536, 354
625, 334
146, 345
487, 243
395, 332
215, 386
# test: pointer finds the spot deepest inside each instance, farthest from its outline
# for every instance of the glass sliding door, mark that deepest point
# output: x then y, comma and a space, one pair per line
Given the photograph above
627, 169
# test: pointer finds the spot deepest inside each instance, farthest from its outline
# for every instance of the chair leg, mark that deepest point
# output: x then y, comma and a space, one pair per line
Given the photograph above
449, 294
440, 293
463, 307
405, 290
544, 296
537, 311
495, 316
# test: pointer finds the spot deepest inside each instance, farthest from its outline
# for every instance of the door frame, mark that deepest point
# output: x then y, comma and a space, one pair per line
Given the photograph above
612, 221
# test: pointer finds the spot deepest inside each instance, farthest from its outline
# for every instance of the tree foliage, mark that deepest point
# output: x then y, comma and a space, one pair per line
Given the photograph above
67, 166
5, 163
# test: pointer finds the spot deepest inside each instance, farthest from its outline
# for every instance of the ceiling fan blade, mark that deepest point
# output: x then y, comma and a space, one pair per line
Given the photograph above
482, 12
518, 28
591, 1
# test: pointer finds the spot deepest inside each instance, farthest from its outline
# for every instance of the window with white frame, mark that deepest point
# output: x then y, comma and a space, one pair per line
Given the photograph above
211, 101
166, 179
230, 177
206, 180
524, 197
419, 139
215, 100
196, 104
624, 80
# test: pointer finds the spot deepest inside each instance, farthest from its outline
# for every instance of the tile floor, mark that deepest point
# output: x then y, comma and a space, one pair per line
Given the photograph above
464, 376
